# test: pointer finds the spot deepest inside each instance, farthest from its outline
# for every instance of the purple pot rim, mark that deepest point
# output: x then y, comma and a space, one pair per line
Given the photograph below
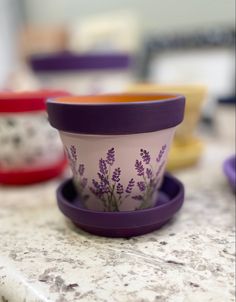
124, 219
230, 170
66, 61
117, 118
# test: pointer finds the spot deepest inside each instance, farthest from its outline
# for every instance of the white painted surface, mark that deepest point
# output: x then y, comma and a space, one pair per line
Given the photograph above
127, 148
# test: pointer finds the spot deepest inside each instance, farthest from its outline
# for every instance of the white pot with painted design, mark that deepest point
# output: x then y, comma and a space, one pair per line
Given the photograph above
30, 149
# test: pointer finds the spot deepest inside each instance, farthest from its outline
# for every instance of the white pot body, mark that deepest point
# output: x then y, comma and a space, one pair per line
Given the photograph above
118, 172
28, 142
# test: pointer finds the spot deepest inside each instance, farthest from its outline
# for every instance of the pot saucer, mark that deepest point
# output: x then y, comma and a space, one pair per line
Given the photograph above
184, 154
126, 223
230, 171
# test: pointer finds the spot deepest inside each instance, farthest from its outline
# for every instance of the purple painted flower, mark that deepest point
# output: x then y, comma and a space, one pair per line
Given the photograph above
138, 197
161, 152
103, 188
73, 152
119, 189
103, 178
141, 185
81, 169
139, 167
149, 173
164, 147
84, 182
145, 156
99, 189
116, 175
110, 156
130, 186
95, 184
103, 166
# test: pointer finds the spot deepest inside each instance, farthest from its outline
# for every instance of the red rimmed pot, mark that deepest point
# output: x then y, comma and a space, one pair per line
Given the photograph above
117, 145
30, 149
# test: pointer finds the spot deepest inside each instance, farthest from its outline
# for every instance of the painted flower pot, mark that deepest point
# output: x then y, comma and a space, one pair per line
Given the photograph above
117, 145
30, 149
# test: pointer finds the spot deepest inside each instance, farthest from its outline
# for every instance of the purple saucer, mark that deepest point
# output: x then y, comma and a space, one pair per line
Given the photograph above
230, 171
122, 224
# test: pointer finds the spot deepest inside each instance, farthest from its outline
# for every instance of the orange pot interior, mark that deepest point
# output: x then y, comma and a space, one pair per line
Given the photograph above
116, 98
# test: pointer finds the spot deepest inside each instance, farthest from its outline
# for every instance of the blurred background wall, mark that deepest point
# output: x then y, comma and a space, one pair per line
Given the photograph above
38, 22
154, 15
10, 16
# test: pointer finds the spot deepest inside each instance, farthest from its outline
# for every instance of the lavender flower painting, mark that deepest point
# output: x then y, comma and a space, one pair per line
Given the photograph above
78, 172
108, 188
149, 179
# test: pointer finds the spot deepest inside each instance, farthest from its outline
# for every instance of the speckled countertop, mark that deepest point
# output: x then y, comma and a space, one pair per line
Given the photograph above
44, 258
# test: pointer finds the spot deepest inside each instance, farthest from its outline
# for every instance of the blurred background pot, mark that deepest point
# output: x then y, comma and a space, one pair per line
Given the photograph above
83, 73
30, 149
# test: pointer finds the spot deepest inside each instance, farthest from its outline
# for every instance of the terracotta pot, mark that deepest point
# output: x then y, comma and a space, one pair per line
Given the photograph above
117, 145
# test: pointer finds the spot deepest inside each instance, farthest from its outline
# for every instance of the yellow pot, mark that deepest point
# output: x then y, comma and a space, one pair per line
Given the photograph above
184, 154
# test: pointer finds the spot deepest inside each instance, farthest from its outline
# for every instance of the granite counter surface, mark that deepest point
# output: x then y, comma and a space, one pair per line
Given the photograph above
44, 258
